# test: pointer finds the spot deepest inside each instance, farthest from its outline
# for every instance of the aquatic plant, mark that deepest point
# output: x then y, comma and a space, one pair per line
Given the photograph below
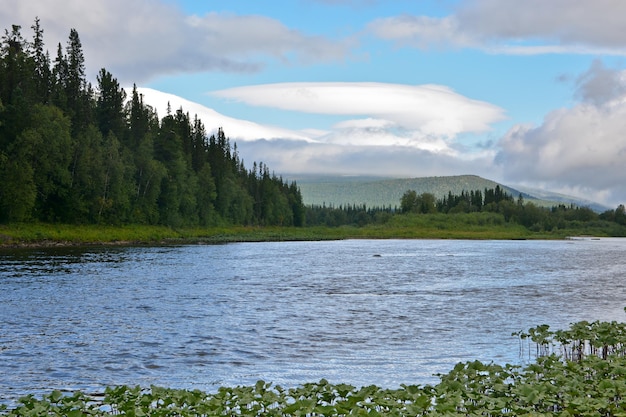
582, 339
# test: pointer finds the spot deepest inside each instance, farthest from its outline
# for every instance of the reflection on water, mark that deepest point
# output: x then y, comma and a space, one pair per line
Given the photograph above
362, 312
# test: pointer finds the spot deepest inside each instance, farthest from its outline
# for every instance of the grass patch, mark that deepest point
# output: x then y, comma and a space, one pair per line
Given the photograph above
450, 226
482, 225
41, 234
63, 234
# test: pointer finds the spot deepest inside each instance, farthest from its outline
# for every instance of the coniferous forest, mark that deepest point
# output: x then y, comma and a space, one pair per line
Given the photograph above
74, 152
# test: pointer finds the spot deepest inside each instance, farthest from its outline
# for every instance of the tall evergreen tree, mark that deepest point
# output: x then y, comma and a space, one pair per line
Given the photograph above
15, 71
59, 80
16, 89
76, 80
110, 114
77, 91
42, 76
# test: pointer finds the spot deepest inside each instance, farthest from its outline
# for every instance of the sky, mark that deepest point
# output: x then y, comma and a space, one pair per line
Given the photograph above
528, 93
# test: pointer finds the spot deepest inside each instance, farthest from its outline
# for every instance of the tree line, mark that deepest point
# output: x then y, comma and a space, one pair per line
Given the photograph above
77, 153
492, 200
496, 200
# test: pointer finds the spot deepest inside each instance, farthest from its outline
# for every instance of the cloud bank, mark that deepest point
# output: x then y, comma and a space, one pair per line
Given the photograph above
515, 27
579, 150
139, 39
428, 117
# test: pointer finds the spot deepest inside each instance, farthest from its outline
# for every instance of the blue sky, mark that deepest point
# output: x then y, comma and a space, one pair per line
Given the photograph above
527, 93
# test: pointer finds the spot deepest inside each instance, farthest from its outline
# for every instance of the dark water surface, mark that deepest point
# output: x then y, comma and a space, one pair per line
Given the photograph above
290, 313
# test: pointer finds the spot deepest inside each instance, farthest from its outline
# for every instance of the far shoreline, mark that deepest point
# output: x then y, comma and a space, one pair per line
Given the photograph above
44, 235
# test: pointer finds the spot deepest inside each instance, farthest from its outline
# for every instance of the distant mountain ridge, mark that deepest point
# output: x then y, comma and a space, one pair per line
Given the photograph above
384, 192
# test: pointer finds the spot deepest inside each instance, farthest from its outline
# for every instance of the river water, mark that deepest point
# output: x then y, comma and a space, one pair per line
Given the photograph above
363, 312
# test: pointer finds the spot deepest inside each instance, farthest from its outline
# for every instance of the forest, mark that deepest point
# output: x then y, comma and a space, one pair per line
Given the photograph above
72, 152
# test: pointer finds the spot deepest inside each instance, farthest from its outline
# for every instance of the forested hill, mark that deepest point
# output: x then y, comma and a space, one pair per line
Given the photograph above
77, 153
385, 192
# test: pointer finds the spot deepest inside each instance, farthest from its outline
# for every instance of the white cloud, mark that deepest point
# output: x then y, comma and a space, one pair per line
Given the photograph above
601, 85
252, 35
368, 123
516, 27
582, 22
421, 31
379, 132
579, 150
401, 114
234, 128
389, 129
138, 39
583, 145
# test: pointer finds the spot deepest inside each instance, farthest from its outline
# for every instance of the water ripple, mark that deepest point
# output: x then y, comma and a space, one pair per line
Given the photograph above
361, 312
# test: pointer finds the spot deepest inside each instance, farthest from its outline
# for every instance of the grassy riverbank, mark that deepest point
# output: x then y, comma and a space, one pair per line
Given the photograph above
398, 227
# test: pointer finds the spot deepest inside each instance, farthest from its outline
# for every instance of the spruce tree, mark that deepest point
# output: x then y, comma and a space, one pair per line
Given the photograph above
110, 114
42, 76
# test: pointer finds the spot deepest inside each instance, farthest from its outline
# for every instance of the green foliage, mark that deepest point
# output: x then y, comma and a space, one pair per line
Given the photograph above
413, 203
47, 146
17, 190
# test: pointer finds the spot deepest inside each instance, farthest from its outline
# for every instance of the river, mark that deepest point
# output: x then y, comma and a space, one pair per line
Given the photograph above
363, 312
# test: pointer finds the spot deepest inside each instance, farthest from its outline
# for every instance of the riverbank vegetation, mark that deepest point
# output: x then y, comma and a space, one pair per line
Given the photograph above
474, 226
580, 371
397, 226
